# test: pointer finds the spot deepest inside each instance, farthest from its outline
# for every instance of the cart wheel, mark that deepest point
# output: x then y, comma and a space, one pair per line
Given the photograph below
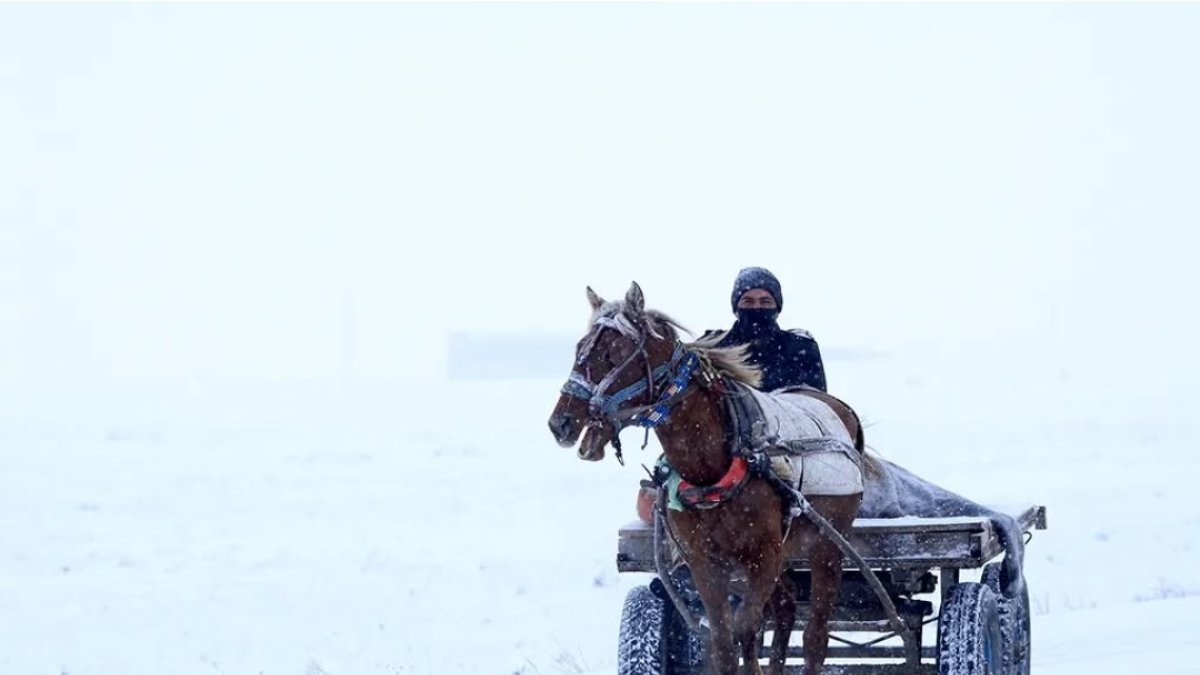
640, 646
969, 641
683, 650
1014, 623
654, 638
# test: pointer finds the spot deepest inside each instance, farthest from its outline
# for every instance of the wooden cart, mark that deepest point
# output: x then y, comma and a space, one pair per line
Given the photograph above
918, 560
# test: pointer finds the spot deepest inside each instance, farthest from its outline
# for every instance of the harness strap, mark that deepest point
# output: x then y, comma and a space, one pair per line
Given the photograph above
578, 386
652, 415
707, 496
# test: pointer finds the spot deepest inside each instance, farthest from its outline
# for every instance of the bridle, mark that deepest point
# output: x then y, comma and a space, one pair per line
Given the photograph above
605, 409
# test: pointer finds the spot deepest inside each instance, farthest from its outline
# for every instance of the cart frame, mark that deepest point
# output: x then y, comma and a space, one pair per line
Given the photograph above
912, 557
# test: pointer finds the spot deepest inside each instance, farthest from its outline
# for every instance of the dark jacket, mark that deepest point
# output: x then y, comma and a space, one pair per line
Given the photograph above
787, 357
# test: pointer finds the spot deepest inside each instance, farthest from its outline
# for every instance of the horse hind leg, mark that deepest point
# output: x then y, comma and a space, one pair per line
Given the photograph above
826, 564
826, 583
783, 605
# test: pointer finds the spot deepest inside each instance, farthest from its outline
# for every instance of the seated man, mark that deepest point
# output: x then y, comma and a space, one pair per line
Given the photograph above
787, 358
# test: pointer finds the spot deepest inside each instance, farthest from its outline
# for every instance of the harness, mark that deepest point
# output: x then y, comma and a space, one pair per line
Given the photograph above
748, 450
673, 376
707, 496
667, 384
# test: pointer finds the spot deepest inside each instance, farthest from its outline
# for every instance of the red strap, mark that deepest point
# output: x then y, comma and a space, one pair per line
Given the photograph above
738, 470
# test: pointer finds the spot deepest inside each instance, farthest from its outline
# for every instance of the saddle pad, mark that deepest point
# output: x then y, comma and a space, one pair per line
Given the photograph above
793, 417
820, 457
828, 468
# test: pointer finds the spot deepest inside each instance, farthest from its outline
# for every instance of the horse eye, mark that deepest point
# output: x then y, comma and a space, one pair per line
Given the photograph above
614, 354
610, 356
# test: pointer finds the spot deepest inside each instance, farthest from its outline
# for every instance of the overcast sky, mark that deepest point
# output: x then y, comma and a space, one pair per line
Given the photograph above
198, 189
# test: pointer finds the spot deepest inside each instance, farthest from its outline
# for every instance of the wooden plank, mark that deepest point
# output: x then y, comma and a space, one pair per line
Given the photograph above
921, 550
883, 542
867, 652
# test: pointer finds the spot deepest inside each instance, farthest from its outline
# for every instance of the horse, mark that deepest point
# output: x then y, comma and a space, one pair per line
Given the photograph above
631, 364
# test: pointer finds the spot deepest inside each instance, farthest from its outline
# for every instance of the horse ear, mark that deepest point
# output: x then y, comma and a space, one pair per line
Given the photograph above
635, 302
596, 300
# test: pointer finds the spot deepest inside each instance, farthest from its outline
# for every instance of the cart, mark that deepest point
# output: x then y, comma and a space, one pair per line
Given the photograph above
918, 562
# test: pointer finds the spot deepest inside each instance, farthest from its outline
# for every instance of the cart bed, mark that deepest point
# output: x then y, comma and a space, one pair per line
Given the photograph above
895, 543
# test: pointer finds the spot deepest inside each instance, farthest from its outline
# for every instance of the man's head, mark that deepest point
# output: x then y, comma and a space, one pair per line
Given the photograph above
757, 289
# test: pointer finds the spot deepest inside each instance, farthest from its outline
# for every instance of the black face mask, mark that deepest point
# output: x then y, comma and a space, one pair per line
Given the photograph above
758, 320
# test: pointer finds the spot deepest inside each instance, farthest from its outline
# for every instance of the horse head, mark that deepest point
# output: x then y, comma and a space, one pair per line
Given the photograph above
619, 364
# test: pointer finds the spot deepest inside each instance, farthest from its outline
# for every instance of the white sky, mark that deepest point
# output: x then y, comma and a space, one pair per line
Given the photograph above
207, 190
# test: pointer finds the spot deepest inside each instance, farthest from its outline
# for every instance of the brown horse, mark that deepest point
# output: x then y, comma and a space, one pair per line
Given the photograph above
628, 370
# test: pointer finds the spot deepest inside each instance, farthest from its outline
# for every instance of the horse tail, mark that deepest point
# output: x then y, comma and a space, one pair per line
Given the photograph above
860, 439
870, 466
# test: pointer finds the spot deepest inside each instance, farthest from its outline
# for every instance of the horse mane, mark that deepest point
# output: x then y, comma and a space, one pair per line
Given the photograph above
730, 361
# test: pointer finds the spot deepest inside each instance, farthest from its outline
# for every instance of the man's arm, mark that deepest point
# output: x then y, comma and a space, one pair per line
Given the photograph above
818, 367
807, 354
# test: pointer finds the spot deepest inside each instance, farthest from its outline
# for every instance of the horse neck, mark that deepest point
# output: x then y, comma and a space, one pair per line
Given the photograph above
694, 440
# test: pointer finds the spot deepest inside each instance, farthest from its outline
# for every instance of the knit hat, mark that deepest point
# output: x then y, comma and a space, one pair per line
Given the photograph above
756, 277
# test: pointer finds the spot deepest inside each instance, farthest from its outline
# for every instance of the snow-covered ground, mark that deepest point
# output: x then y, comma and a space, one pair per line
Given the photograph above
435, 527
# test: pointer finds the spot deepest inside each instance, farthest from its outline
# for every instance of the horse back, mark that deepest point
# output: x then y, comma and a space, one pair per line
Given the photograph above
845, 413
848, 416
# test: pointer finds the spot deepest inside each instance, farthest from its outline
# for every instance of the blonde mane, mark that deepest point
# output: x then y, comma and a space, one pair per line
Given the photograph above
730, 361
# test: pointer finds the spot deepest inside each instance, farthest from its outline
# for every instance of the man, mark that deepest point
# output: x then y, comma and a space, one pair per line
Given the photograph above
787, 358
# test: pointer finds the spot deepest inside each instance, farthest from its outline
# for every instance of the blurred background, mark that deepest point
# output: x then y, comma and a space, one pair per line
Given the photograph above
272, 273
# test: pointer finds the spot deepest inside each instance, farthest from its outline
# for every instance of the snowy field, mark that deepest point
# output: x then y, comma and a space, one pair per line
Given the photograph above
434, 527
986, 212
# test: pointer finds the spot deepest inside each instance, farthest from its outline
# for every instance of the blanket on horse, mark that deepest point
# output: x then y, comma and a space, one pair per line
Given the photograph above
809, 446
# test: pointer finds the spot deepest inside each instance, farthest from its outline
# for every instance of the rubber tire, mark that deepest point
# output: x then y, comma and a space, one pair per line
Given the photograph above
682, 650
1014, 623
640, 643
969, 640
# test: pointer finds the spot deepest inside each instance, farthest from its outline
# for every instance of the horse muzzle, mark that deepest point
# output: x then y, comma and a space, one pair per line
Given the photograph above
564, 430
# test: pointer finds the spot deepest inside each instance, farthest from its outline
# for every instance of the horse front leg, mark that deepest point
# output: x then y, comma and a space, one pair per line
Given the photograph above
762, 580
713, 585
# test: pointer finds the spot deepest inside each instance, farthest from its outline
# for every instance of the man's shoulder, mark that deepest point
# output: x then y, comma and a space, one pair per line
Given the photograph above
713, 334
800, 342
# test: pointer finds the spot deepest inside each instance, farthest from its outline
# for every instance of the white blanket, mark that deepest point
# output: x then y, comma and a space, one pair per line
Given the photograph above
792, 417
820, 458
